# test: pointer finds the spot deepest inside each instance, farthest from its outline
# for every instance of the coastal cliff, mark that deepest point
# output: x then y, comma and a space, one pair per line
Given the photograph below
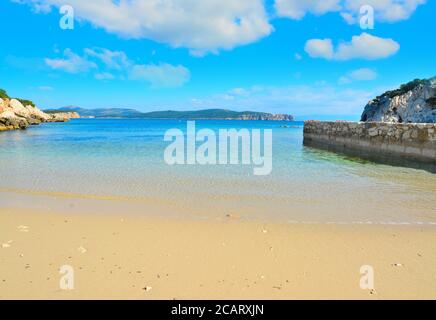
19, 114
414, 102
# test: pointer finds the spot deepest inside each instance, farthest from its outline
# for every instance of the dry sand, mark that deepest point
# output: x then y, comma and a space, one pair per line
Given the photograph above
150, 258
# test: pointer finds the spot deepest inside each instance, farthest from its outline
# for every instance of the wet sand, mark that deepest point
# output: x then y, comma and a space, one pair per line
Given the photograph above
131, 257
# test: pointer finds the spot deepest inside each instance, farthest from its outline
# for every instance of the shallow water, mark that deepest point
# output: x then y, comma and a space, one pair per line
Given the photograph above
124, 159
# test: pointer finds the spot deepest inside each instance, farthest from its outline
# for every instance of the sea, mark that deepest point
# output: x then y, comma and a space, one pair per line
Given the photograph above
107, 166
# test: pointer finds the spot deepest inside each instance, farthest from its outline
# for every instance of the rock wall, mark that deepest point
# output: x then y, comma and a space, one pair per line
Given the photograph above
412, 141
13, 115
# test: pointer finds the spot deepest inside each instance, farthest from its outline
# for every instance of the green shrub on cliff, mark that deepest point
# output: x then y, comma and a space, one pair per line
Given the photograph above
432, 102
3, 94
405, 88
25, 102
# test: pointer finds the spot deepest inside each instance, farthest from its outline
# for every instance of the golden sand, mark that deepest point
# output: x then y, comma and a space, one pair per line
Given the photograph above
119, 257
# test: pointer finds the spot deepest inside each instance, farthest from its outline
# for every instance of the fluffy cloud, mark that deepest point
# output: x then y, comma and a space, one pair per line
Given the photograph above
368, 47
111, 65
319, 48
364, 46
104, 76
385, 10
363, 74
112, 59
71, 63
161, 75
201, 26
297, 9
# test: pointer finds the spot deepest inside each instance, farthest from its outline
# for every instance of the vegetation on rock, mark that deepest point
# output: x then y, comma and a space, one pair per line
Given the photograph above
432, 102
24, 102
3, 94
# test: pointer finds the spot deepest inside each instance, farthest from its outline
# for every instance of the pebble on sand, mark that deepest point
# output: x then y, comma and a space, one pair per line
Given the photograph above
82, 249
23, 228
147, 288
7, 244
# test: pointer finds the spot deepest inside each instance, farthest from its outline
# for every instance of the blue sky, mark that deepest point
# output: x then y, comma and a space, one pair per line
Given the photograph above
311, 59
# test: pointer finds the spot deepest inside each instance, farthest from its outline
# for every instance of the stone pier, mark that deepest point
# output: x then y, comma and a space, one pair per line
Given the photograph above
389, 142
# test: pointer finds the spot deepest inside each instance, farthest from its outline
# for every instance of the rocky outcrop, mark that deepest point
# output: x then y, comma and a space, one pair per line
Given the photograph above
63, 116
14, 115
414, 102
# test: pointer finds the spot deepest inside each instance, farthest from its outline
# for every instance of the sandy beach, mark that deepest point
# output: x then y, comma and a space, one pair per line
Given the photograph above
119, 257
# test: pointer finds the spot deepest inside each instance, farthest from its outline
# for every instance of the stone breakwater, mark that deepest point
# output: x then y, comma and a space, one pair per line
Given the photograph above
414, 142
14, 115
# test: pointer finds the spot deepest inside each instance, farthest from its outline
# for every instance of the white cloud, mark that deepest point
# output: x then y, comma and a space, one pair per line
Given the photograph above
297, 9
71, 63
161, 75
363, 74
112, 59
238, 91
109, 65
104, 76
364, 46
385, 10
319, 48
201, 26
301, 100
367, 47
37, 6
298, 56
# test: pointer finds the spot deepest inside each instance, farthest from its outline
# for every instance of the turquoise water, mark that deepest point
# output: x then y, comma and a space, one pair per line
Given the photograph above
125, 158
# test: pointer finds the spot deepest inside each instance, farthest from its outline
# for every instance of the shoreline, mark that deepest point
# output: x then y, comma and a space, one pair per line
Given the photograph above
117, 256
65, 203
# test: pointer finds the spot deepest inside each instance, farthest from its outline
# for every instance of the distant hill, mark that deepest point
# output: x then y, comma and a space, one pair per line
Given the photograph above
100, 113
209, 114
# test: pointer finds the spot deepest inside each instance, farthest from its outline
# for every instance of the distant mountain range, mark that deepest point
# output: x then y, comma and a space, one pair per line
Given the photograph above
209, 114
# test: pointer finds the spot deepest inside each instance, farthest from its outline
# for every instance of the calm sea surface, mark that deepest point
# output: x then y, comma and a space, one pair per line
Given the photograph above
124, 159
